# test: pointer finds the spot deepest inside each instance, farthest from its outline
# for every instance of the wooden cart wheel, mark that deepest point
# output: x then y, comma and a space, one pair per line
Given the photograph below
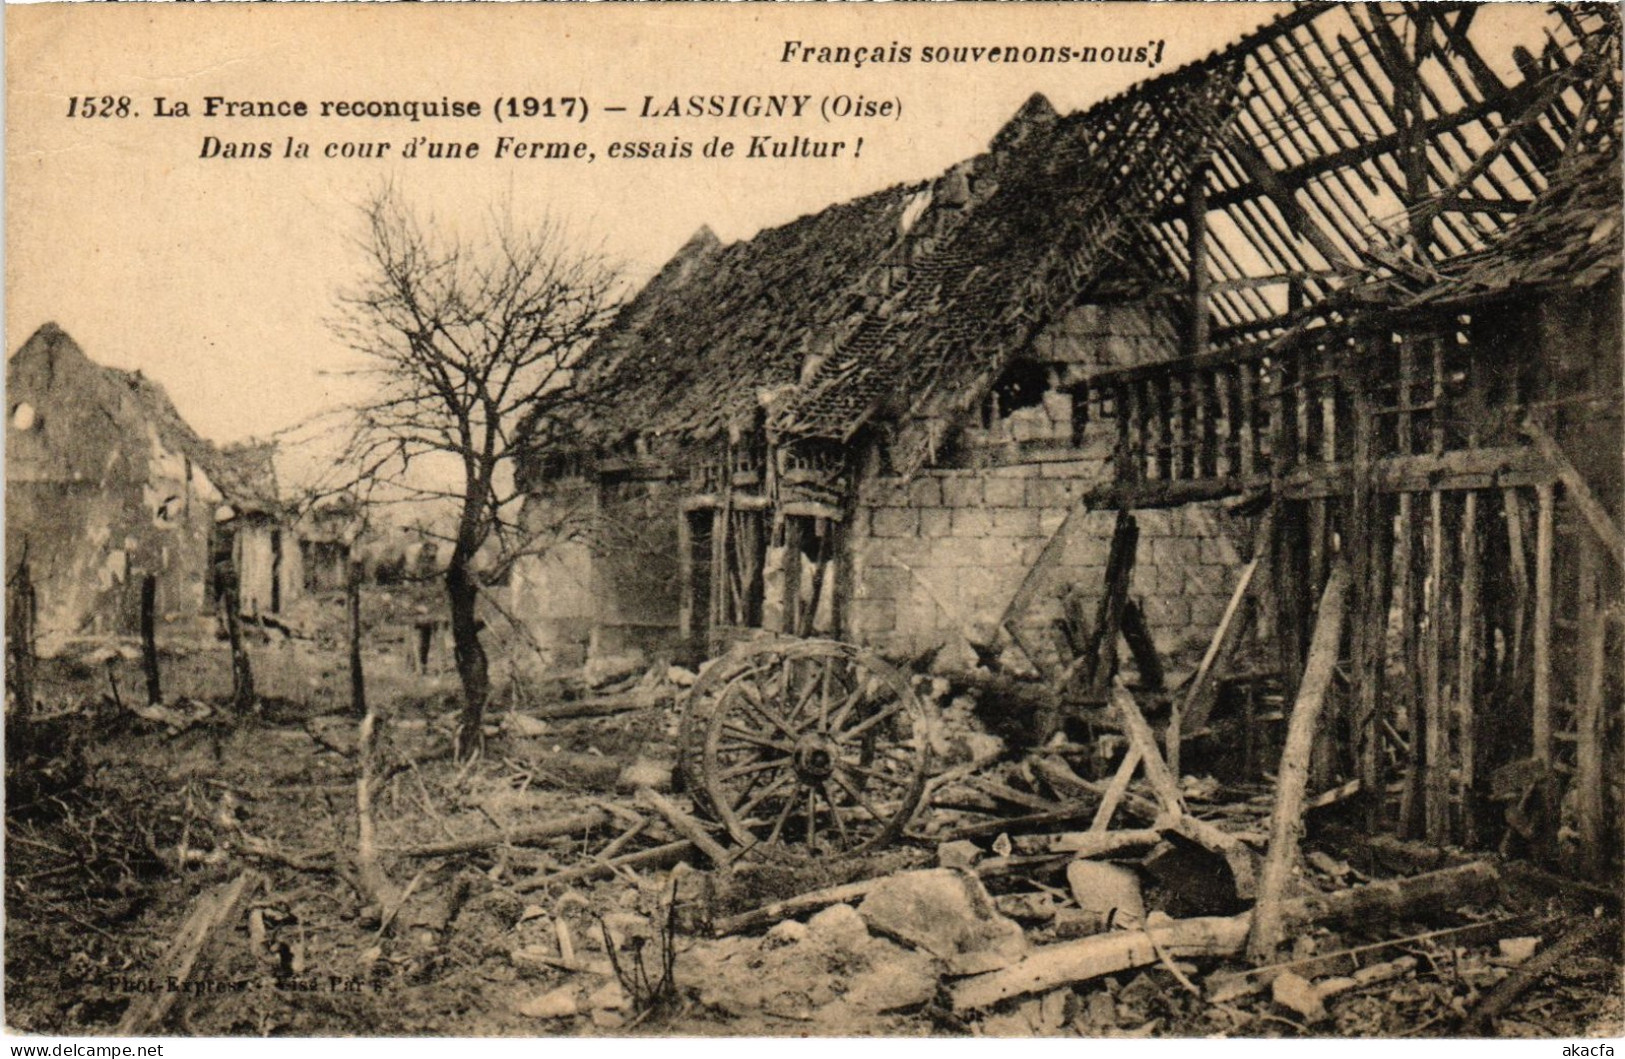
699, 702
814, 749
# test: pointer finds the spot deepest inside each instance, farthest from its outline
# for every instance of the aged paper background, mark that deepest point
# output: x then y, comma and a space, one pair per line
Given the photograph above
159, 248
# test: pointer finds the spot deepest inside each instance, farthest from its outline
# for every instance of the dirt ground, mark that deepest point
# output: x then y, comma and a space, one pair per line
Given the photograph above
117, 826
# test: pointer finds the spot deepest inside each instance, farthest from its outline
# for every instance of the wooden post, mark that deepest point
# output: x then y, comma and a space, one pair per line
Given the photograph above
352, 601
1541, 718
1405, 595
792, 572
1436, 764
1467, 664
1109, 618
1286, 823
1196, 245
242, 671
149, 639
1590, 779
20, 640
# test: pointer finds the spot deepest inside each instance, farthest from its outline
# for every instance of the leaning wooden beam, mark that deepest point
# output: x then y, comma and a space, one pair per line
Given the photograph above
1201, 695
1527, 974
1109, 618
1052, 966
216, 908
1286, 824
1163, 783
1115, 790
1580, 494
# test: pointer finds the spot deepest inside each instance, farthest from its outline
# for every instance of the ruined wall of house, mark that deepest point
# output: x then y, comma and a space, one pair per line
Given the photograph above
94, 509
605, 576
950, 548
637, 576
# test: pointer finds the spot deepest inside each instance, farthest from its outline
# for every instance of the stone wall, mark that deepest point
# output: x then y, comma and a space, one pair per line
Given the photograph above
949, 549
952, 547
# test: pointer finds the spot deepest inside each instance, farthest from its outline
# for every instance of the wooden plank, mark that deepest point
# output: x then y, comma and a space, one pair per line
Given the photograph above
1286, 821
1047, 559
1201, 693
1518, 553
1580, 494
1541, 697
1116, 789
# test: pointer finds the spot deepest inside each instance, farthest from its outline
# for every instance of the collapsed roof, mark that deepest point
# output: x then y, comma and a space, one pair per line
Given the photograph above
1341, 153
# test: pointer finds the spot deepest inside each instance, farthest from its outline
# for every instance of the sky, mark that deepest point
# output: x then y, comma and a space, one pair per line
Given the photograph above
218, 276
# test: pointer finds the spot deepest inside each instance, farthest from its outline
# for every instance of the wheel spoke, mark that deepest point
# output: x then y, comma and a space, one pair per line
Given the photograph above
872, 774
759, 706
812, 814
868, 723
755, 739
860, 799
745, 808
784, 814
846, 708
840, 825
741, 770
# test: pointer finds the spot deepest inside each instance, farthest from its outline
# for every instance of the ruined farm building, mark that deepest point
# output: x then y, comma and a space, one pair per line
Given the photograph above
106, 484
1327, 323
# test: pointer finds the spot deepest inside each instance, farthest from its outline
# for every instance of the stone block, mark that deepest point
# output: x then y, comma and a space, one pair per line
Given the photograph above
1220, 551
888, 522
962, 491
1053, 492
1087, 549
925, 491
1049, 520
1167, 612
1083, 469
1175, 551
1015, 522
881, 491
936, 522
1163, 580
1005, 492
873, 617
1154, 523
882, 582
972, 521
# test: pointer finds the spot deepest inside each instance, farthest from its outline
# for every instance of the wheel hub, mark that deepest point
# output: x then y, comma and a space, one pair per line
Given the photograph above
814, 758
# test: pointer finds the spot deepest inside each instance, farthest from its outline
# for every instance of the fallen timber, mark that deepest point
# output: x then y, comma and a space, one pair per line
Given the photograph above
1087, 958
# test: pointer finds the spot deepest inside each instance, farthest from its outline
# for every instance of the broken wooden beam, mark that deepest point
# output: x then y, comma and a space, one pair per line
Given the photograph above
657, 857
1286, 823
1052, 966
574, 824
211, 912
1579, 493
686, 826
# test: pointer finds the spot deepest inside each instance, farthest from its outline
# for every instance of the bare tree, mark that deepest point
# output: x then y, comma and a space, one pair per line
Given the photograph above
469, 342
